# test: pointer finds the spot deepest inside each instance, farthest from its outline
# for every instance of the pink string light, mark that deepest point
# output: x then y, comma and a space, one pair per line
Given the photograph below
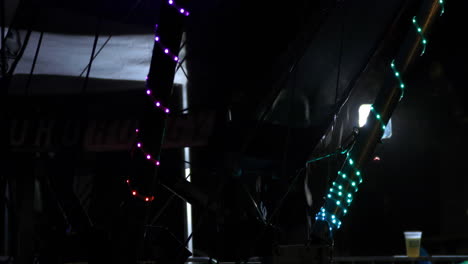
157, 104
181, 10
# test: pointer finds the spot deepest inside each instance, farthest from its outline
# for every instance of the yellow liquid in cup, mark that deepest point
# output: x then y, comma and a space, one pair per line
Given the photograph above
412, 247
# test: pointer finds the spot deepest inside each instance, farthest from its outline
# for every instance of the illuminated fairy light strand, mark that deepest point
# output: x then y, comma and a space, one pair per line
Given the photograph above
135, 193
420, 32
378, 117
400, 80
330, 218
157, 103
181, 10
341, 194
442, 6
327, 156
166, 50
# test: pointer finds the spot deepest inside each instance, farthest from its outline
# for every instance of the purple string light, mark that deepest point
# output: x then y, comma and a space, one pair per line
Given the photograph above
156, 102
181, 10
166, 50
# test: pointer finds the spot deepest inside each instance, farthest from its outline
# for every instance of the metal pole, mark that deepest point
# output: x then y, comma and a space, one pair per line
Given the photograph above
346, 185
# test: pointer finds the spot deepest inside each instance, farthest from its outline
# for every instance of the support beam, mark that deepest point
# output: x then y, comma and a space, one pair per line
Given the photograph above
346, 185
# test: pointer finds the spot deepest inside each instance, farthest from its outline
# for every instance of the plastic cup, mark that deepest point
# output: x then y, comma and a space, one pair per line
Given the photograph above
413, 243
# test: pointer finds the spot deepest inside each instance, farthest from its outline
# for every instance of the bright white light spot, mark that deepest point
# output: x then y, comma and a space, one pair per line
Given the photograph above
363, 114
364, 111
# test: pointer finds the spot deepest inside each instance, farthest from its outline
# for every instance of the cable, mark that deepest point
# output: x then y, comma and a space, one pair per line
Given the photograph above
340, 55
130, 12
28, 83
3, 50
280, 203
169, 200
91, 59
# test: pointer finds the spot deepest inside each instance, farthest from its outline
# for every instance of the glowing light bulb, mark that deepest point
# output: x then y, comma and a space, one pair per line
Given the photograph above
340, 193
148, 157
156, 39
166, 51
329, 195
158, 104
358, 173
340, 187
147, 199
182, 10
157, 163
338, 202
148, 92
351, 162
353, 183
134, 193
167, 110
344, 176
128, 181
137, 130
139, 144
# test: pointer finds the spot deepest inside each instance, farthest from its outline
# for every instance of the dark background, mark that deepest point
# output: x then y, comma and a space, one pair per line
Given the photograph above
241, 51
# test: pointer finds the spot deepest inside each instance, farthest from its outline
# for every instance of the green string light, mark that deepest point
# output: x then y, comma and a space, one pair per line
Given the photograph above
379, 118
442, 5
398, 76
420, 32
342, 193
339, 151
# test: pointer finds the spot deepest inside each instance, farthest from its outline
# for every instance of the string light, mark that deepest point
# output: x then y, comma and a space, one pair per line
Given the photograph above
398, 76
180, 9
442, 6
335, 199
420, 32
379, 118
138, 195
166, 50
157, 104
328, 155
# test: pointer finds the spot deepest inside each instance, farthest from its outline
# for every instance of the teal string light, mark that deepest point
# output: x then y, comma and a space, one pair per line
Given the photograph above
341, 195
400, 80
442, 6
339, 151
420, 32
379, 118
